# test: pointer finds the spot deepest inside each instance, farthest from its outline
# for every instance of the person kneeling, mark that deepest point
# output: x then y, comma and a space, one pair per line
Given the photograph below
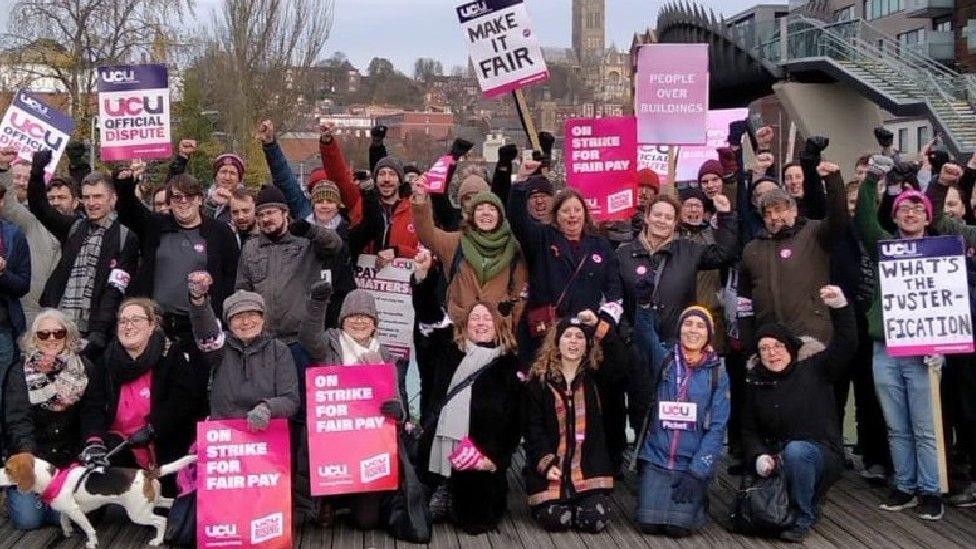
683, 434
789, 419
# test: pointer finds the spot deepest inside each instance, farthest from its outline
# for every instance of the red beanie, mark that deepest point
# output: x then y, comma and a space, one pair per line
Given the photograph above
711, 167
230, 159
648, 178
317, 176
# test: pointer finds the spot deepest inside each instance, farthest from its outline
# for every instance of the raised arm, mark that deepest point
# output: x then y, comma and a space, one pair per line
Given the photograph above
335, 165
838, 217
835, 359
726, 246
501, 178
530, 233
442, 243
866, 215
814, 195
377, 150
58, 223
311, 332
133, 213
281, 174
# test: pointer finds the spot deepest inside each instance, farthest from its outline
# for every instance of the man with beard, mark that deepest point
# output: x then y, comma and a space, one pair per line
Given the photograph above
242, 215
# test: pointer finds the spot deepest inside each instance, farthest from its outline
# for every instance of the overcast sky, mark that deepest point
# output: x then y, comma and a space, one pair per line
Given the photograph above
403, 30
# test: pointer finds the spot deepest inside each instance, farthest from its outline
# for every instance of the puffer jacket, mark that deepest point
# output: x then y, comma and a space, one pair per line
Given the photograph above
710, 282
244, 374
281, 270
781, 274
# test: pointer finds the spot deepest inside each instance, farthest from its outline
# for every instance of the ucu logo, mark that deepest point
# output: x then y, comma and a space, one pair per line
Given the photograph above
899, 248
473, 9
221, 530
119, 77
34, 130
132, 106
34, 104
675, 410
333, 470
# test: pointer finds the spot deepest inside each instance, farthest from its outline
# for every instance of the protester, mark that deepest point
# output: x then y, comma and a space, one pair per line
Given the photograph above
468, 448
789, 421
783, 268
175, 245
15, 278
244, 221
98, 254
152, 384
353, 342
19, 175
567, 470
679, 460
50, 399
902, 383
44, 250
571, 269
483, 261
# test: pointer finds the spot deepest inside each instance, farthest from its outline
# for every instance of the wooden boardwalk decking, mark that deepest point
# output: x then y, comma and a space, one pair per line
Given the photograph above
851, 518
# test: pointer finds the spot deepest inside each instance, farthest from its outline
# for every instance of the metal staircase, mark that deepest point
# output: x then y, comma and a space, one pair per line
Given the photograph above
900, 79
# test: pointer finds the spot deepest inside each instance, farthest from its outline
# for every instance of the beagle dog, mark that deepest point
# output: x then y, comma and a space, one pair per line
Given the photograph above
136, 490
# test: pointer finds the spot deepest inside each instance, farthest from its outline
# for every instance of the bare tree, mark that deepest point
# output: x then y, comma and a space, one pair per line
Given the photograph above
258, 61
61, 42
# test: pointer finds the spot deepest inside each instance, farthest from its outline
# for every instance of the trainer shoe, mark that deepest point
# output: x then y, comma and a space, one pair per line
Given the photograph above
898, 501
930, 507
965, 498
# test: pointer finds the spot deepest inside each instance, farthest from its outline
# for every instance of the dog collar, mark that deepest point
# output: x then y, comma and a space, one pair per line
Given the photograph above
57, 483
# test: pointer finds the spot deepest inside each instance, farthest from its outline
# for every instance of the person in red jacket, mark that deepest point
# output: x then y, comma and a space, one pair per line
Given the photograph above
398, 237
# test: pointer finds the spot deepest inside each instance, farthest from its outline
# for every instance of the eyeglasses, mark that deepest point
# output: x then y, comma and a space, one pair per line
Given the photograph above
912, 208
181, 198
58, 334
132, 321
770, 347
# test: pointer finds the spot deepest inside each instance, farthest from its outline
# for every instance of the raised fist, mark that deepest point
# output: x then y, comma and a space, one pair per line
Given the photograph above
764, 161
325, 133
833, 297
527, 168
722, 203
40, 160
198, 283
950, 174
764, 138
7, 156
378, 132
508, 153
826, 168
187, 147
884, 137
266, 132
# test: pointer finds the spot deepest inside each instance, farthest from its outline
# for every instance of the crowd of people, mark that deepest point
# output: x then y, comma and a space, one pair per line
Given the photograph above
730, 315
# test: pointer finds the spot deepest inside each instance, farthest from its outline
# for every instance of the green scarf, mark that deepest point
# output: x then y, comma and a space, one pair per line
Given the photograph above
488, 253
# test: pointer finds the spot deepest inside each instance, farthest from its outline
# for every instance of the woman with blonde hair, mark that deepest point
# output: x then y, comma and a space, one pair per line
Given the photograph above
568, 469
50, 399
467, 449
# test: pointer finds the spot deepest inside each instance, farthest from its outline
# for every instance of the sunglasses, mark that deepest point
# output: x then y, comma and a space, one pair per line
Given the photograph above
58, 334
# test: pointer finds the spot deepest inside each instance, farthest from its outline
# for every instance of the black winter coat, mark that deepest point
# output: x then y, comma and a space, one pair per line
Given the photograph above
583, 449
798, 403
178, 395
55, 437
678, 287
105, 297
222, 251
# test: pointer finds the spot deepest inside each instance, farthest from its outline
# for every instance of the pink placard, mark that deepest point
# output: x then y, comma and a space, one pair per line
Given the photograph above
243, 485
352, 447
437, 174
672, 94
601, 162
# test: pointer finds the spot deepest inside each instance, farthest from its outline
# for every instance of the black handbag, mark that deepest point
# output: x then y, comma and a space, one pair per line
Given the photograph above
762, 505
181, 526
409, 513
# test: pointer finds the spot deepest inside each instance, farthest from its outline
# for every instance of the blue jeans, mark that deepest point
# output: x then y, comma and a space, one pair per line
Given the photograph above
803, 468
27, 512
904, 391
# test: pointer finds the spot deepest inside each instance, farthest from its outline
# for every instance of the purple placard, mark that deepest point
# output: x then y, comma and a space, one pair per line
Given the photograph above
31, 125
133, 109
671, 102
132, 77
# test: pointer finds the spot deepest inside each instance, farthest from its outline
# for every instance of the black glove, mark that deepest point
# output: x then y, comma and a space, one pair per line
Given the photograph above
393, 410
885, 138
300, 228
546, 141
378, 132
815, 145
507, 153
143, 436
938, 159
76, 151
40, 160
736, 130
460, 147
321, 290
94, 453
687, 488
505, 307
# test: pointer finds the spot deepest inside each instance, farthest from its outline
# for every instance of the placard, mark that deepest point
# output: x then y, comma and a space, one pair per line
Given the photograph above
672, 94
133, 108
504, 51
925, 296
31, 125
390, 287
601, 162
352, 447
243, 485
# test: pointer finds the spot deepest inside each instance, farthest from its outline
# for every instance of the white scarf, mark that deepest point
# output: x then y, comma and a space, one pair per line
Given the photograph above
453, 422
353, 353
